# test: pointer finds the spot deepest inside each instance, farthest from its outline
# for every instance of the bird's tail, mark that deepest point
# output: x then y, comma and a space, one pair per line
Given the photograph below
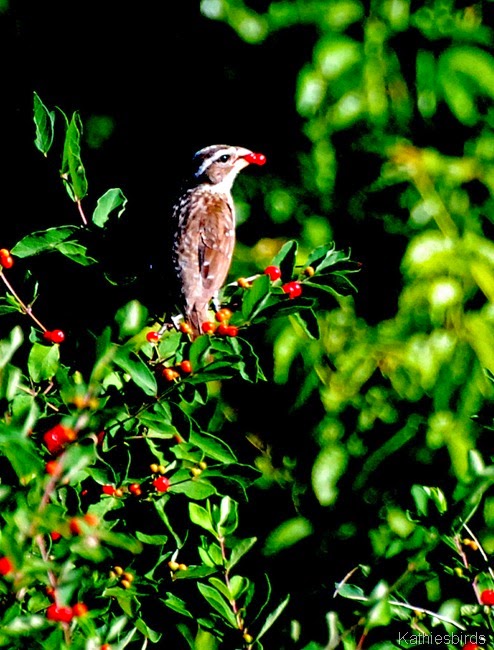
198, 315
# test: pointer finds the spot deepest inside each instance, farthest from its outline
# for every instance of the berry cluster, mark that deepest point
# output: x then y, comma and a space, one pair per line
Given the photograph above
54, 336
175, 372
6, 259
293, 288
221, 325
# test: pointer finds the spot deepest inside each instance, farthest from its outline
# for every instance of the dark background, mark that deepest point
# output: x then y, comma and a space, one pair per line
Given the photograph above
173, 81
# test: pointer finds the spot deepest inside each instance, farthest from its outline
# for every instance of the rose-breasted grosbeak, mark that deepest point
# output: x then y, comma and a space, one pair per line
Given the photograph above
204, 229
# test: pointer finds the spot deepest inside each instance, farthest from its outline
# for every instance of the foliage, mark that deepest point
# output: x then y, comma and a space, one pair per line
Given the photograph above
361, 515
111, 479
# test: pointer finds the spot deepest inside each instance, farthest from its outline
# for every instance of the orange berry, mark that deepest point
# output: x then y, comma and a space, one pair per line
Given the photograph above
186, 366
80, 609
244, 283
223, 314
208, 327
185, 328
52, 467
169, 374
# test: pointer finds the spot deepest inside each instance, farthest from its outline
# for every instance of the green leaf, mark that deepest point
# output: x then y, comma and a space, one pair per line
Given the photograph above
131, 318
286, 258
239, 550
194, 489
21, 453
215, 599
113, 199
212, 447
72, 171
75, 459
328, 467
176, 604
43, 361
271, 618
307, 320
9, 345
255, 296
139, 372
44, 121
226, 518
201, 517
158, 420
287, 534
43, 240
157, 540
76, 252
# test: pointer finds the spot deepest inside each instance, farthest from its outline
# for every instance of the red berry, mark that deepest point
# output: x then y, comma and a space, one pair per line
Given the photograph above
470, 645
487, 597
7, 262
79, 609
186, 366
274, 272
6, 566
293, 289
58, 437
55, 535
255, 158
109, 489
232, 330
135, 489
162, 483
223, 314
6, 259
106, 646
59, 613
208, 327
54, 336
152, 337
222, 329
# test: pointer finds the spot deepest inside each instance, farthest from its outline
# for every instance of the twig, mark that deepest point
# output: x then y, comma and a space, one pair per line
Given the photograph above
27, 310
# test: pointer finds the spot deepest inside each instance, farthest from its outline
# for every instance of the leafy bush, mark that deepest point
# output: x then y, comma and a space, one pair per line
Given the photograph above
323, 479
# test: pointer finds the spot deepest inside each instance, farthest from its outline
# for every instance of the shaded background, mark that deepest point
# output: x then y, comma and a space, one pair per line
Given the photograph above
168, 83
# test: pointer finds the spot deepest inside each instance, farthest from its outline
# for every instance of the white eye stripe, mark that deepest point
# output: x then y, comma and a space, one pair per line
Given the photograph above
212, 159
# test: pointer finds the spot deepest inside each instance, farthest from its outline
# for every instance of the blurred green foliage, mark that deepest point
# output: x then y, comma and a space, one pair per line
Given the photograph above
397, 110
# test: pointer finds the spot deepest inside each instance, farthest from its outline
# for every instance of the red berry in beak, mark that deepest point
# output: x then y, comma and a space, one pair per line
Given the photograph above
255, 158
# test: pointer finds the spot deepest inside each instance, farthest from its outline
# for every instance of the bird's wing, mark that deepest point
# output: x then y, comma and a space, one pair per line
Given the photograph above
216, 242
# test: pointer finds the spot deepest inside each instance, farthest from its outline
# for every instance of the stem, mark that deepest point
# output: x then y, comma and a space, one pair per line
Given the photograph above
27, 310
81, 212
53, 583
233, 602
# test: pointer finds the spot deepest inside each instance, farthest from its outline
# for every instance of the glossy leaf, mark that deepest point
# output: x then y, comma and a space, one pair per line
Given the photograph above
44, 121
112, 201
43, 240
72, 170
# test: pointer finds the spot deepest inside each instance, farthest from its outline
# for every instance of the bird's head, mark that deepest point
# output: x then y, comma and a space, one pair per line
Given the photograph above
219, 164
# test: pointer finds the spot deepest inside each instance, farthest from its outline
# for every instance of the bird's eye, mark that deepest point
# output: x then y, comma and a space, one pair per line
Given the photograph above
224, 158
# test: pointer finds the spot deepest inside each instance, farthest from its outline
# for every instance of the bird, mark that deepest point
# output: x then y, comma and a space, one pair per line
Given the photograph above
203, 230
